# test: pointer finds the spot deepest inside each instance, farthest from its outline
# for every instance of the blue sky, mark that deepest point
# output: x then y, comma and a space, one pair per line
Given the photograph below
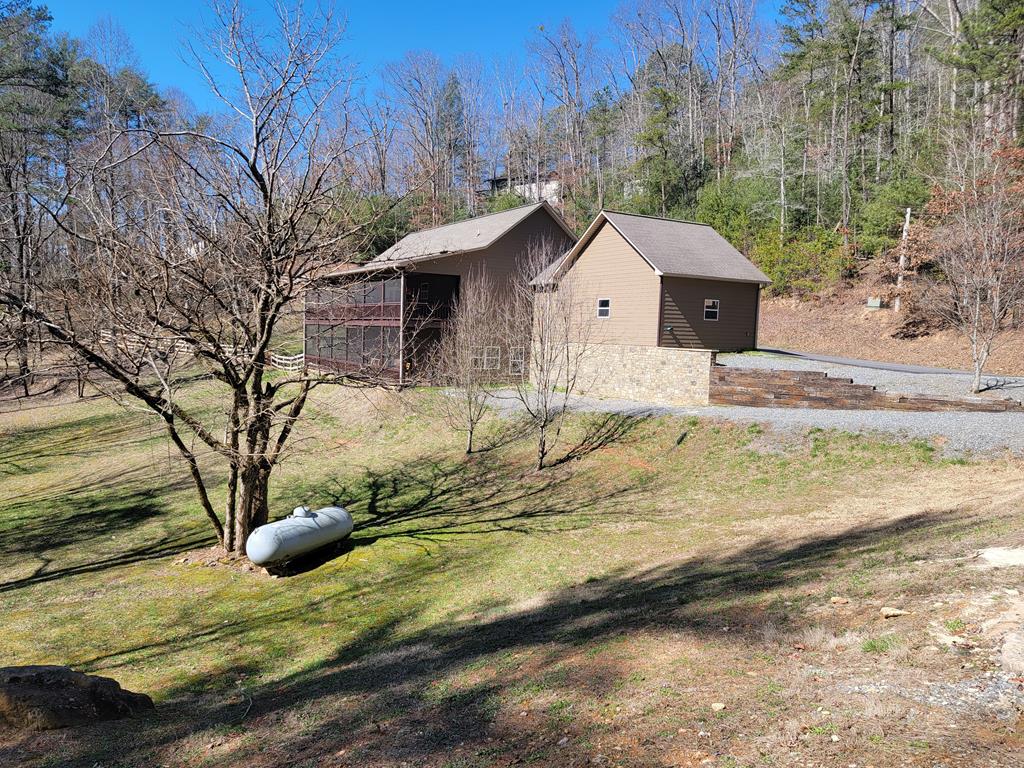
379, 31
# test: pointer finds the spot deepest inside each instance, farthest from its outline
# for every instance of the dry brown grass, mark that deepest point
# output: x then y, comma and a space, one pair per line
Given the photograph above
843, 326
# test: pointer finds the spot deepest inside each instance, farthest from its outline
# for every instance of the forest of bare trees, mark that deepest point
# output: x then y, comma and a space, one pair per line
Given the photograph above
802, 136
821, 125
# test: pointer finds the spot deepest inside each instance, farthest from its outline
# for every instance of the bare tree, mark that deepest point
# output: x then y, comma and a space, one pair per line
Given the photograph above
188, 268
379, 127
566, 62
978, 246
546, 316
471, 356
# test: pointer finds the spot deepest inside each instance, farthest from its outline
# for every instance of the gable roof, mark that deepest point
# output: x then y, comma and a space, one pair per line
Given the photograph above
671, 247
450, 239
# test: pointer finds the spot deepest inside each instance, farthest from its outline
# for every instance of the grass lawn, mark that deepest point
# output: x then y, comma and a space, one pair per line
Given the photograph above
485, 615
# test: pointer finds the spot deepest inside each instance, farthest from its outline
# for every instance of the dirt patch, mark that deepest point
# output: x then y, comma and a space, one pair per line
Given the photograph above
1001, 557
218, 557
843, 326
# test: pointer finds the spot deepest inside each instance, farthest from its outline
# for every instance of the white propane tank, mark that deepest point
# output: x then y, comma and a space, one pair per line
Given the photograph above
302, 531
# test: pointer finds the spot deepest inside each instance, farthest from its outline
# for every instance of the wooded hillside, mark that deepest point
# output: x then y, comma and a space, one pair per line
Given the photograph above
802, 138
802, 135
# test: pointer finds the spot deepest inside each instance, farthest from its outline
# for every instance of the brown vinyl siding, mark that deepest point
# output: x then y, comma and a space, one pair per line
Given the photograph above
609, 268
345, 329
682, 300
501, 259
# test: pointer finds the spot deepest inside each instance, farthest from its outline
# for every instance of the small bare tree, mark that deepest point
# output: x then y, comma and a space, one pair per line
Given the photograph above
978, 247
470, 355
547, 318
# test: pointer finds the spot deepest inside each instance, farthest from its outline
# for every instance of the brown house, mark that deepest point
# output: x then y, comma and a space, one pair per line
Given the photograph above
663, 283
385, 316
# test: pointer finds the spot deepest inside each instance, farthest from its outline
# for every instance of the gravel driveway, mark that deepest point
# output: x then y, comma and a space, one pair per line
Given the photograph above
956, 434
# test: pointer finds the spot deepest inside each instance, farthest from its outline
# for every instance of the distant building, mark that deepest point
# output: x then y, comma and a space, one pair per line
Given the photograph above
547, 188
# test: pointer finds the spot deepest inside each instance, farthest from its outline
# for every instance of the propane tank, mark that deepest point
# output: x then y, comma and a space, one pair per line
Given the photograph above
301, 532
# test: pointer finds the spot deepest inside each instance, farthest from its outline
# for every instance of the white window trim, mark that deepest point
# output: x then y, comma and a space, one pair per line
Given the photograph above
492, 358
599, 308
516, 360
717, 310
485, 358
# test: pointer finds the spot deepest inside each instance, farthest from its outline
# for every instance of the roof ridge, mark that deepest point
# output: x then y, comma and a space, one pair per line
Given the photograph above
656, 218
472, 218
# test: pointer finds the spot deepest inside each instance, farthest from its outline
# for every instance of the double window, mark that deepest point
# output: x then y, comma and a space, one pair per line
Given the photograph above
710, 309
485, 359
604, 307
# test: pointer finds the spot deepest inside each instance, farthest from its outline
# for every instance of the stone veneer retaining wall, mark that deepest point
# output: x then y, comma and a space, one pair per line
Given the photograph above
659, 375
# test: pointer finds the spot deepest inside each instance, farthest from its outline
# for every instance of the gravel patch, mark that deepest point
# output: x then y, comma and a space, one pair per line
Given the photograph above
950, 384
989, 694
957, 434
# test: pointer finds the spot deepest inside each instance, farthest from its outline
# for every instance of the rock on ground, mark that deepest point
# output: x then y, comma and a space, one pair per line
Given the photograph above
1011, 657
41, 697
891, 613
1002, 557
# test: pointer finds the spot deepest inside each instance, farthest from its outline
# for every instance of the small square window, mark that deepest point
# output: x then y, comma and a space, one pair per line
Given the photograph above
604, 307
710, 309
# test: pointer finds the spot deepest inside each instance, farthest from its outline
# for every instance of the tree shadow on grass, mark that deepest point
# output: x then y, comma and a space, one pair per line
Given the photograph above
434, 497
377, 699
43, 529
502, 433
94, 508
600, 431
28, 448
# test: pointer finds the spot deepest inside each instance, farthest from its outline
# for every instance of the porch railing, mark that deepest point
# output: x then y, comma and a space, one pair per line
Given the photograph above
355, 312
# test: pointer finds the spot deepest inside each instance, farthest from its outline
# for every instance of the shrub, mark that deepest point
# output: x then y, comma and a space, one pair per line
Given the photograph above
503, 201
881, 218
803, 264
740, 210
882, 644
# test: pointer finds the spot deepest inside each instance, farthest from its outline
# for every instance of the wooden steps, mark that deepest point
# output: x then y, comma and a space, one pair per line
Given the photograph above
766, 388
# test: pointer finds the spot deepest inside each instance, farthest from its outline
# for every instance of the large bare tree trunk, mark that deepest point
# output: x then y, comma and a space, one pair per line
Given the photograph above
253, 508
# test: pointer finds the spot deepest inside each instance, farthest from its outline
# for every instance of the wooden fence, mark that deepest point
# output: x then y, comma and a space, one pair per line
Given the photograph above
287, 363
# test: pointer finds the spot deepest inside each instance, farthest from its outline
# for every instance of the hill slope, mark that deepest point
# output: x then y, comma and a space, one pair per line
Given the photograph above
843, 325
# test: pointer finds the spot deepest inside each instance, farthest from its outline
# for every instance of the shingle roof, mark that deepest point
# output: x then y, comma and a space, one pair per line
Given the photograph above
673, 248
460, 237
684, 248
546, 275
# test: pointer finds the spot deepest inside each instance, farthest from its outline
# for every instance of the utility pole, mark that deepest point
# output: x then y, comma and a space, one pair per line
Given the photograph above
902, 263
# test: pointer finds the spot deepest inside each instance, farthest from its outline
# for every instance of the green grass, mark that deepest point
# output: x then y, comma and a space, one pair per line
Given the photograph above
881, 644
472, 588
827, 729
955, 625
